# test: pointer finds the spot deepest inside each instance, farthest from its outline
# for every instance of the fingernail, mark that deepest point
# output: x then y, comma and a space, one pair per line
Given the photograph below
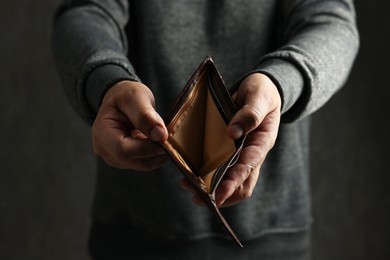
237, 131
157, 133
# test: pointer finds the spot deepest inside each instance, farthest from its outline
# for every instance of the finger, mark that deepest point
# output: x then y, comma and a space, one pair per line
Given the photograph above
138, 106
250, 115
257, 145
138, 134
145, 164
250, 159
245, 120
123, 146
256, 97
231, 182
135, 148
126, 152
244, 191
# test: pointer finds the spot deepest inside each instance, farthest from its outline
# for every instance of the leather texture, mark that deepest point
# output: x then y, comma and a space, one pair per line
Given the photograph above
198, 141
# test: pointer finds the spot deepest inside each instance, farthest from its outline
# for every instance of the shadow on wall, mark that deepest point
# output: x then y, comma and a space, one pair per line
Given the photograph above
47, 167
351, 199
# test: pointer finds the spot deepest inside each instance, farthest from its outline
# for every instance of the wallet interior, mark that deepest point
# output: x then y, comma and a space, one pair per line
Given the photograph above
198, 137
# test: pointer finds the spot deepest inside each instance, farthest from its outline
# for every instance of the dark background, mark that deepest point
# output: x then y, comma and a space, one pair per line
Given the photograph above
47, 166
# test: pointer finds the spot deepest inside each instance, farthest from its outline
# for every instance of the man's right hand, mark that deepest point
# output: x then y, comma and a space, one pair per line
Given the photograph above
127, 128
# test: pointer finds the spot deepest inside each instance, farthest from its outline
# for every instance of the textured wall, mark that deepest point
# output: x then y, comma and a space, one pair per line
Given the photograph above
350, 142
47, 168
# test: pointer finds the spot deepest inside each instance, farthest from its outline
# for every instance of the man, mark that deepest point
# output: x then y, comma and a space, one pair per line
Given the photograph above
123, 63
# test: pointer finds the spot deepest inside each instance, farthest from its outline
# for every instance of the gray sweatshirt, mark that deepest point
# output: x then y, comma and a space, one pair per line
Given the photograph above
306, 47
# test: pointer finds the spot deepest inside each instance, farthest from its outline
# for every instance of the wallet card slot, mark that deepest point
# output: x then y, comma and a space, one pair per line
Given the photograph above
186, 129
217, 146
221, 96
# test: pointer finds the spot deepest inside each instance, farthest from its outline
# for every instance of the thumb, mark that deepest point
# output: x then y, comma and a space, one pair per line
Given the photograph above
249, 116
137, 104
245, 120
257, 96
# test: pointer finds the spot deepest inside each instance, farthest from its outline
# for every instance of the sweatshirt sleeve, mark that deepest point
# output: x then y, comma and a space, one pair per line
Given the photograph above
89, 48
319, 42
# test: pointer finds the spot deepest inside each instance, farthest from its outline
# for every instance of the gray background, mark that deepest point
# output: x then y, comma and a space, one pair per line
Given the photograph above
47, 166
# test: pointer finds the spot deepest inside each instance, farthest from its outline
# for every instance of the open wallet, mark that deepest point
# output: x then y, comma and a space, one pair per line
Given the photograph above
198, 143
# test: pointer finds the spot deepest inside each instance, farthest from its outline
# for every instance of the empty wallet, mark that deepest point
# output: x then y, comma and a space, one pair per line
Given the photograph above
198, 143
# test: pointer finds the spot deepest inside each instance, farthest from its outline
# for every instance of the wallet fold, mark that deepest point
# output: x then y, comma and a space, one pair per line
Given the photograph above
198, 143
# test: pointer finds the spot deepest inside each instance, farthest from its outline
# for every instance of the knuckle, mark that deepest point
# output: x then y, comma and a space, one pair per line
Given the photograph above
121, 152
248, 168
253, 115
245, 190
125, 98
243, 170
146, 115
244, 194
269, 141
145, 119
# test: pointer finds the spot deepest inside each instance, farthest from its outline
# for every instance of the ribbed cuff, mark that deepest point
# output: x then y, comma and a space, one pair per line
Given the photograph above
101, 79
286, 77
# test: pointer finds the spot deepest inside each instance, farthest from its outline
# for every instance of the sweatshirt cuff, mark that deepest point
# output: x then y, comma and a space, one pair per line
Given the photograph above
287, 78
101, 79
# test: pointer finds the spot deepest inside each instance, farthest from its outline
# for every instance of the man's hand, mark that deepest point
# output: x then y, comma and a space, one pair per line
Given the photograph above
126, 126
259, 106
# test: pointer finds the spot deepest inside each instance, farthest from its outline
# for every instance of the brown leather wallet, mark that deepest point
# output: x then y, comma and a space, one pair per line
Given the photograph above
198, 141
